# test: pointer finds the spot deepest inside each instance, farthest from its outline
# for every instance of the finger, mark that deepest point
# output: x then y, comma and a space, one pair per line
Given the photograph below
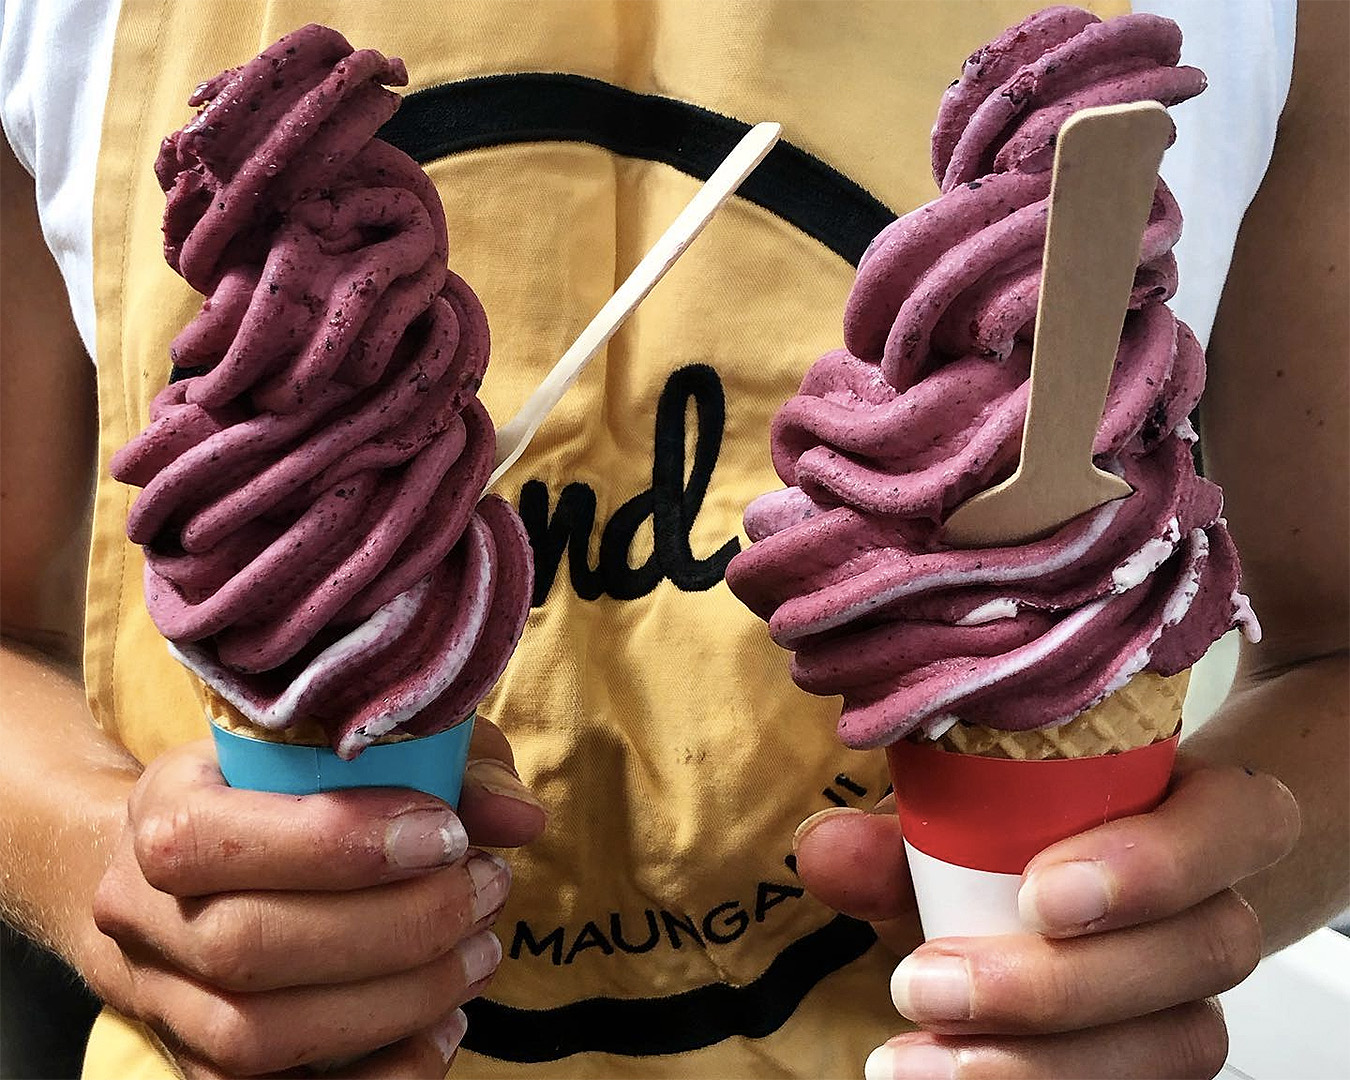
1026, 984
1186, 1041
1218, 826
855, 862
427, 1054
497, 809
194, 835
191, 1067
270, 1032
269, 940
489, 742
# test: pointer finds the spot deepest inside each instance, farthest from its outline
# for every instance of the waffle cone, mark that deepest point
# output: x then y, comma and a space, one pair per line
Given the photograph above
306, 733
1144, 711
224, 715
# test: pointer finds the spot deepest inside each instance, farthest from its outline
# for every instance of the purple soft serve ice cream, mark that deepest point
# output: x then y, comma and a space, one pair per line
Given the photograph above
924, 407
316, 546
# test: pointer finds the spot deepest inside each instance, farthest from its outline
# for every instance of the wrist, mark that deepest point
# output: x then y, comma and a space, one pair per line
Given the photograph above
56, 908
87, 949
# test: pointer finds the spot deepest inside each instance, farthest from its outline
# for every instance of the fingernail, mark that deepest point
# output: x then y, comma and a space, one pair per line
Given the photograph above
928, 987
491, 775
491, 882
810, 824
449, 1034
1065, 897
922, 1061
424, 838
479, 956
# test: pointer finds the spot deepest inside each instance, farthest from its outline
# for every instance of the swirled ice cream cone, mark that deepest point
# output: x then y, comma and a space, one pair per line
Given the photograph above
319, 551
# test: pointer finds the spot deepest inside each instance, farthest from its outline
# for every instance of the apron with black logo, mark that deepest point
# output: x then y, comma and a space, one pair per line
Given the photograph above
658, 928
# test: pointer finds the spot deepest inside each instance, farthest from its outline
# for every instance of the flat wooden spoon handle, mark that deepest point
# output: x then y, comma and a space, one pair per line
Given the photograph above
514, 436
1106, 172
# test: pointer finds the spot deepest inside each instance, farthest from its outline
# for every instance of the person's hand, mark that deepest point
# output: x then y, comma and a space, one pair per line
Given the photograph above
1134, 927
263, 932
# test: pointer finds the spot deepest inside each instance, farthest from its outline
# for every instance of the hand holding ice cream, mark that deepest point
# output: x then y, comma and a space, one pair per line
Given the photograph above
255, 932
319, 552
1131, 927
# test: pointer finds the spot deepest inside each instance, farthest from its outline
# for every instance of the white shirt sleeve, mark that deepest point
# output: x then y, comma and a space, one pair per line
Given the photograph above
55, 62
1225, 136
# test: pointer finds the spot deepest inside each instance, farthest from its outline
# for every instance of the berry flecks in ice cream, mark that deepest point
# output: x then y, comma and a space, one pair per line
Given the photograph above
924, 407
316, 546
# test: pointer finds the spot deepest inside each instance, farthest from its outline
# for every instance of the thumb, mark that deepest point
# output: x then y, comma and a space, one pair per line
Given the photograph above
854, 861
497, 808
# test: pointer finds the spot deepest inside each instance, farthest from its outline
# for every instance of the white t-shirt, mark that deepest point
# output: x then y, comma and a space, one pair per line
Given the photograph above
56, 57
55, 63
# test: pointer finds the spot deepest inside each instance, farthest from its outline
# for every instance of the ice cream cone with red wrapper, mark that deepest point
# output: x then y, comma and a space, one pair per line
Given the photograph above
1024, 661
318, 548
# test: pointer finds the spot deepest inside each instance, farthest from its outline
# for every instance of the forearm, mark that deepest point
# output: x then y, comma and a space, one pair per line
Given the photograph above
1295, 725
63, 792
1275, 437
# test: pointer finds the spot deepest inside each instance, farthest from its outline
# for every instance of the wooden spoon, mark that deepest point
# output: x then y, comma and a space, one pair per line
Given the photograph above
515, 435
1106, 170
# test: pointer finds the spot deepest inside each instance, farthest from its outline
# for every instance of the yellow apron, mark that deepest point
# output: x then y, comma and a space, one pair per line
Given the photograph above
658, 928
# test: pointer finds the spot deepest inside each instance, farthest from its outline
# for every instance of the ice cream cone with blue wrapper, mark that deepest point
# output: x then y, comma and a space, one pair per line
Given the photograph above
318, 548
320, 551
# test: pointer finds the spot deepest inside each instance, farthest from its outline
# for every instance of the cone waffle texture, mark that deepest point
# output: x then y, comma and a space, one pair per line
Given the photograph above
1146, 710
306, 733
224, 715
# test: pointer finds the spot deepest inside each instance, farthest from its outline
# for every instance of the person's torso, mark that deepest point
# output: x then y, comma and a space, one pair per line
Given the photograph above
658, 927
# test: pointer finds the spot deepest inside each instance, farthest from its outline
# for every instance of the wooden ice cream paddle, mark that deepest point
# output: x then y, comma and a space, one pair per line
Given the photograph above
515, 435
1105, 173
